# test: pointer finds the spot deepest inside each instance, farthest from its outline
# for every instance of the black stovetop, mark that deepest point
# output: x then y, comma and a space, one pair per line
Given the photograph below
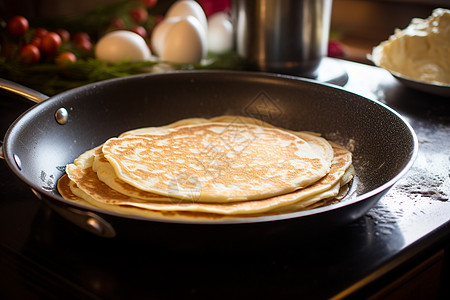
43, 256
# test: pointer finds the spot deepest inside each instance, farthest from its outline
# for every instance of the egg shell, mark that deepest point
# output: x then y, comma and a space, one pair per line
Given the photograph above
159, 34
185, 42
220, 33
122, 45
186, 8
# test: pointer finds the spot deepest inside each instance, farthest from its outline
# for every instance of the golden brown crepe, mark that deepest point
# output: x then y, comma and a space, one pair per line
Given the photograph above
277, 171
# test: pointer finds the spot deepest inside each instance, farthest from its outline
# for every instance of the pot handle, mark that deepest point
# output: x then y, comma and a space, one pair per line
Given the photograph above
23, 91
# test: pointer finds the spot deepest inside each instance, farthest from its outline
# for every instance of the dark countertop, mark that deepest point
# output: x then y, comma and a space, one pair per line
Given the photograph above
43, 256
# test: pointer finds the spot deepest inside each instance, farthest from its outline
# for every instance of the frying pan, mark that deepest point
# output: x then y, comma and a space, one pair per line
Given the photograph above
51, 134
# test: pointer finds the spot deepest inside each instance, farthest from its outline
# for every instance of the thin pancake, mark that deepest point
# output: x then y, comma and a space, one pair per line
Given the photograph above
63, 187
86, 179
148, 130
236, 162
319, 144
106, 172
335, 193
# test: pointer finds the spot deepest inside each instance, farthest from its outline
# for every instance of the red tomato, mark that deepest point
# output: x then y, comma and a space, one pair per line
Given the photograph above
37, 41
40, 32
65, 58
29, 54
159, 19
149, 3
139, 30
117, 23
51, 43
17, 26
139, 15
84, 45
64, 34
80, 36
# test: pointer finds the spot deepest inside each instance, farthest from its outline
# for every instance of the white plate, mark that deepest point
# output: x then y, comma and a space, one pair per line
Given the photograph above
427, 87
436, 89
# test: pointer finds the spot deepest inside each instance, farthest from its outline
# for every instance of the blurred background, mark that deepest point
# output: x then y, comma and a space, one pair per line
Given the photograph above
358, 25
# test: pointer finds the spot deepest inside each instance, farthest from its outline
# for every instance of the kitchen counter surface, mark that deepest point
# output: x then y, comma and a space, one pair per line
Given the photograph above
43, 256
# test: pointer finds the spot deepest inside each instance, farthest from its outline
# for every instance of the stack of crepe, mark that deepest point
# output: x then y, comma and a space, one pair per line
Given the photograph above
224, 167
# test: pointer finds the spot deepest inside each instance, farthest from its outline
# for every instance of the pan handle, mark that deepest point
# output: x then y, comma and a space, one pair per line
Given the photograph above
23, 91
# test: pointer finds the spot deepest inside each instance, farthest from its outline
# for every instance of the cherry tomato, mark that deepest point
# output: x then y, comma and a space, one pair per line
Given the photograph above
139, 15
17, 26
117, 23
335, 49
84, 45
65, 58
40, 32
80, 36
37, 41
139, 30
149, 3
64, 34
29, 54
51, 43
159, 19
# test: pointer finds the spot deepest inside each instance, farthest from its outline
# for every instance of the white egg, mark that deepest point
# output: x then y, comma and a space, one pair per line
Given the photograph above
159, 34
122, 45
186, 8
184, 42
220, 33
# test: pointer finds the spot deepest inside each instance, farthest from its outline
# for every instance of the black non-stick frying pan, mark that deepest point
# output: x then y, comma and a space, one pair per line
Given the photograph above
54, 132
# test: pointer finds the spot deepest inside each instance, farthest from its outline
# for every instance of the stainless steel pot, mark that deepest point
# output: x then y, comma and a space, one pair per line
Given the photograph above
282, 36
